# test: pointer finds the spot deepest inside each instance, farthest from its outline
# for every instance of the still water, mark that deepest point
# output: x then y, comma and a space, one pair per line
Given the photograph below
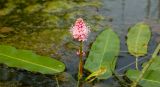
120, 15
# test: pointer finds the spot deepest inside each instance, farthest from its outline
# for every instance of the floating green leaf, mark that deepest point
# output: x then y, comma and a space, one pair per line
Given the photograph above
25, 59
150, 76
103, 53
138, 38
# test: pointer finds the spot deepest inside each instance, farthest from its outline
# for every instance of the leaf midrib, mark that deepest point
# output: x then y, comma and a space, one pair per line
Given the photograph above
149, 80
136, 42
36, 64
106, 42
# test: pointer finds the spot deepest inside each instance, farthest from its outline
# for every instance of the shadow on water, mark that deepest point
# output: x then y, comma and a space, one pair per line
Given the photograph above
120, 14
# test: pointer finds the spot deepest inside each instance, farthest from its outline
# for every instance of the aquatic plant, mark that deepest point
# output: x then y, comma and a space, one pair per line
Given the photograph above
137, 40
80, 32
25, 59
103, 54
102, 57
147, 73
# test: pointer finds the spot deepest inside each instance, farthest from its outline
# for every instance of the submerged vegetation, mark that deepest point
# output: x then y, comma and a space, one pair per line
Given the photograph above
35, 36
34, 24
39, 15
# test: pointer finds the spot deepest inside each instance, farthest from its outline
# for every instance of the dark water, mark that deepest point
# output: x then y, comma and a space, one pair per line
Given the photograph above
124, 14
120, 15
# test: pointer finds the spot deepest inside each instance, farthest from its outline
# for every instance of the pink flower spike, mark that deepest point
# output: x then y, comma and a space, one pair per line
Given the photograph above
80, 30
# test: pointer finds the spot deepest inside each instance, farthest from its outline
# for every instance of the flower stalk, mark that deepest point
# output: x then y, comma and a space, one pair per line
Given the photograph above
80, 72
80, 68
80, 33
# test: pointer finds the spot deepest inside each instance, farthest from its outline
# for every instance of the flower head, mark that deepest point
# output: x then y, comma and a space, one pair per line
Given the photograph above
80, 30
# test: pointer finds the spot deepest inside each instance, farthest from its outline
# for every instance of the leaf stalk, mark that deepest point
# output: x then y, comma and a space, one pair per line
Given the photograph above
134, 84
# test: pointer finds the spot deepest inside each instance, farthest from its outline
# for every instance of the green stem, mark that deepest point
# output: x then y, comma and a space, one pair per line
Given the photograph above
57, 81
146, 66
137, 63
77, 83
80, 72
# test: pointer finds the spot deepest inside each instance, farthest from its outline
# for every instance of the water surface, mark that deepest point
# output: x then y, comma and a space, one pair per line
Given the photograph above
120, 15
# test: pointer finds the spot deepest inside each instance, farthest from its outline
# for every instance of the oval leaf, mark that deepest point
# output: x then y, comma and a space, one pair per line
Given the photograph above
103, 53
149, 80
25, 59
138, 38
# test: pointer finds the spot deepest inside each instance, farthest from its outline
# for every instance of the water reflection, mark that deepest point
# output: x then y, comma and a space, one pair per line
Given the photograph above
148, 7
158, 8
150, 10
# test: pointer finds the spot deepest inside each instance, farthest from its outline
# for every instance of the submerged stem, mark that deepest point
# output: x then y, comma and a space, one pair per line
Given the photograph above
77, 83
137, 63
146, 66
57, 81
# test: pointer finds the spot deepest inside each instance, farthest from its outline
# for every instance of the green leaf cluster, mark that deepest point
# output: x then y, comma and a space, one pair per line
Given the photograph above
151, 76
148, 76
105, 49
